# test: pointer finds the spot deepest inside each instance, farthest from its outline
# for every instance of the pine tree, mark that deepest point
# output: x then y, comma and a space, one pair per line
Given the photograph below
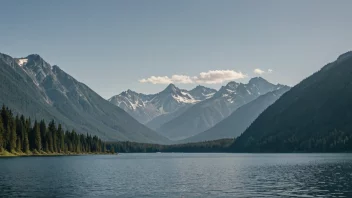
18, 145
43, 132
25, 142
13, 136
26, 132
54, 134
61, 138
37, 139
19, 132
6, 127
1, 135
51, 132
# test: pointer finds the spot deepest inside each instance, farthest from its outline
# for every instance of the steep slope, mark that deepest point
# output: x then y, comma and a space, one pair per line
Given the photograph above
145, 108
164, 118
199, 93
239, 120
202, 93
34, 88
207, 113
314, 116
136, 104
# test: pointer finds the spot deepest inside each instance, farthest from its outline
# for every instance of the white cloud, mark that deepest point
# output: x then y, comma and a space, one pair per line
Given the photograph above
218, 76
210, 77
259, 71
156, 80
182, 79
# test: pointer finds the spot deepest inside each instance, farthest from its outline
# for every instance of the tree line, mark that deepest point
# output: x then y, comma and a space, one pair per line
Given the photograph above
19, 134
334, 141
220, 146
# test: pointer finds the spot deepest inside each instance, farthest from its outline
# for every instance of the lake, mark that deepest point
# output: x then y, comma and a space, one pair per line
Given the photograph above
178, 175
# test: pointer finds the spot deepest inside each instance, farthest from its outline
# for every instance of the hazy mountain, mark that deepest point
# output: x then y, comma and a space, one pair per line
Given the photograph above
314, 116
164, 118
33, 87
240, 119
145, 108
202, 93
207, 113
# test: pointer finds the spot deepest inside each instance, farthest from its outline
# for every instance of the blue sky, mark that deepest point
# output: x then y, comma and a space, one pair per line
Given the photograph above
112, 45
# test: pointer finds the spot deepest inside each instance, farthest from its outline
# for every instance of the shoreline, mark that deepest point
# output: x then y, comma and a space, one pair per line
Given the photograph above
6, 154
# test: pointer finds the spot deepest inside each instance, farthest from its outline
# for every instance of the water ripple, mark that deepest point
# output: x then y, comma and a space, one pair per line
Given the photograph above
179, 175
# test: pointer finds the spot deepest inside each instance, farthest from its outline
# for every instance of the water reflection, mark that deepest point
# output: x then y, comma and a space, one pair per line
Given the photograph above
177, 175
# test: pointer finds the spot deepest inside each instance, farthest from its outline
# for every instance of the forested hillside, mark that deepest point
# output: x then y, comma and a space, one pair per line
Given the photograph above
314, 116
32, 87
20, 135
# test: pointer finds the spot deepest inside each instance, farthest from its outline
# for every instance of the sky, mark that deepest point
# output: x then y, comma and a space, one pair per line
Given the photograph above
143, 45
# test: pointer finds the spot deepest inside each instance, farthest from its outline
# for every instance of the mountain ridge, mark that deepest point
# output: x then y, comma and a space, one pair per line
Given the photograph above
236, 123
33, 87
314, 116
209, 112
145, 107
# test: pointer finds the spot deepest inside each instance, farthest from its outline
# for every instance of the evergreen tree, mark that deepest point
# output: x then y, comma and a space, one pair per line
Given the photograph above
61, 139
6, 127
17, 134
25, 144
43, 134
1, 135
37, 139
50, 133
13, 136
18, 145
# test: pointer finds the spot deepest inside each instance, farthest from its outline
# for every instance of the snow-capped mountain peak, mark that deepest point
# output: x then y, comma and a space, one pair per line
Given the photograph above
146, 107
202, 93
207, 113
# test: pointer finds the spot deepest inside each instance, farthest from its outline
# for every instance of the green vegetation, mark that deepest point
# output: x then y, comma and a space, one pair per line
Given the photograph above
215, 146
18, 136
314, 116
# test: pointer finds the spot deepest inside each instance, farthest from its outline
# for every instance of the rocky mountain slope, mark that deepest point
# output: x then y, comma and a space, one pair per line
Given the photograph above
209, 112
33, 87
145, 108
240, 119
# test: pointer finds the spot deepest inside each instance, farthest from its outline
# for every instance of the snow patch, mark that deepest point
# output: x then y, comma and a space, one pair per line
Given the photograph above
181, 99
22, 61
207, 96
230, 101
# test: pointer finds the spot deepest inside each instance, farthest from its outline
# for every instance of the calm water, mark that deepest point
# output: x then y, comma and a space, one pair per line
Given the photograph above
178, 175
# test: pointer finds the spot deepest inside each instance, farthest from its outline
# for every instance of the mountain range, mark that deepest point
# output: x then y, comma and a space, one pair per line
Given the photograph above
314, 116
179, 114
33, 87
145, 107
205, 114
235, 124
